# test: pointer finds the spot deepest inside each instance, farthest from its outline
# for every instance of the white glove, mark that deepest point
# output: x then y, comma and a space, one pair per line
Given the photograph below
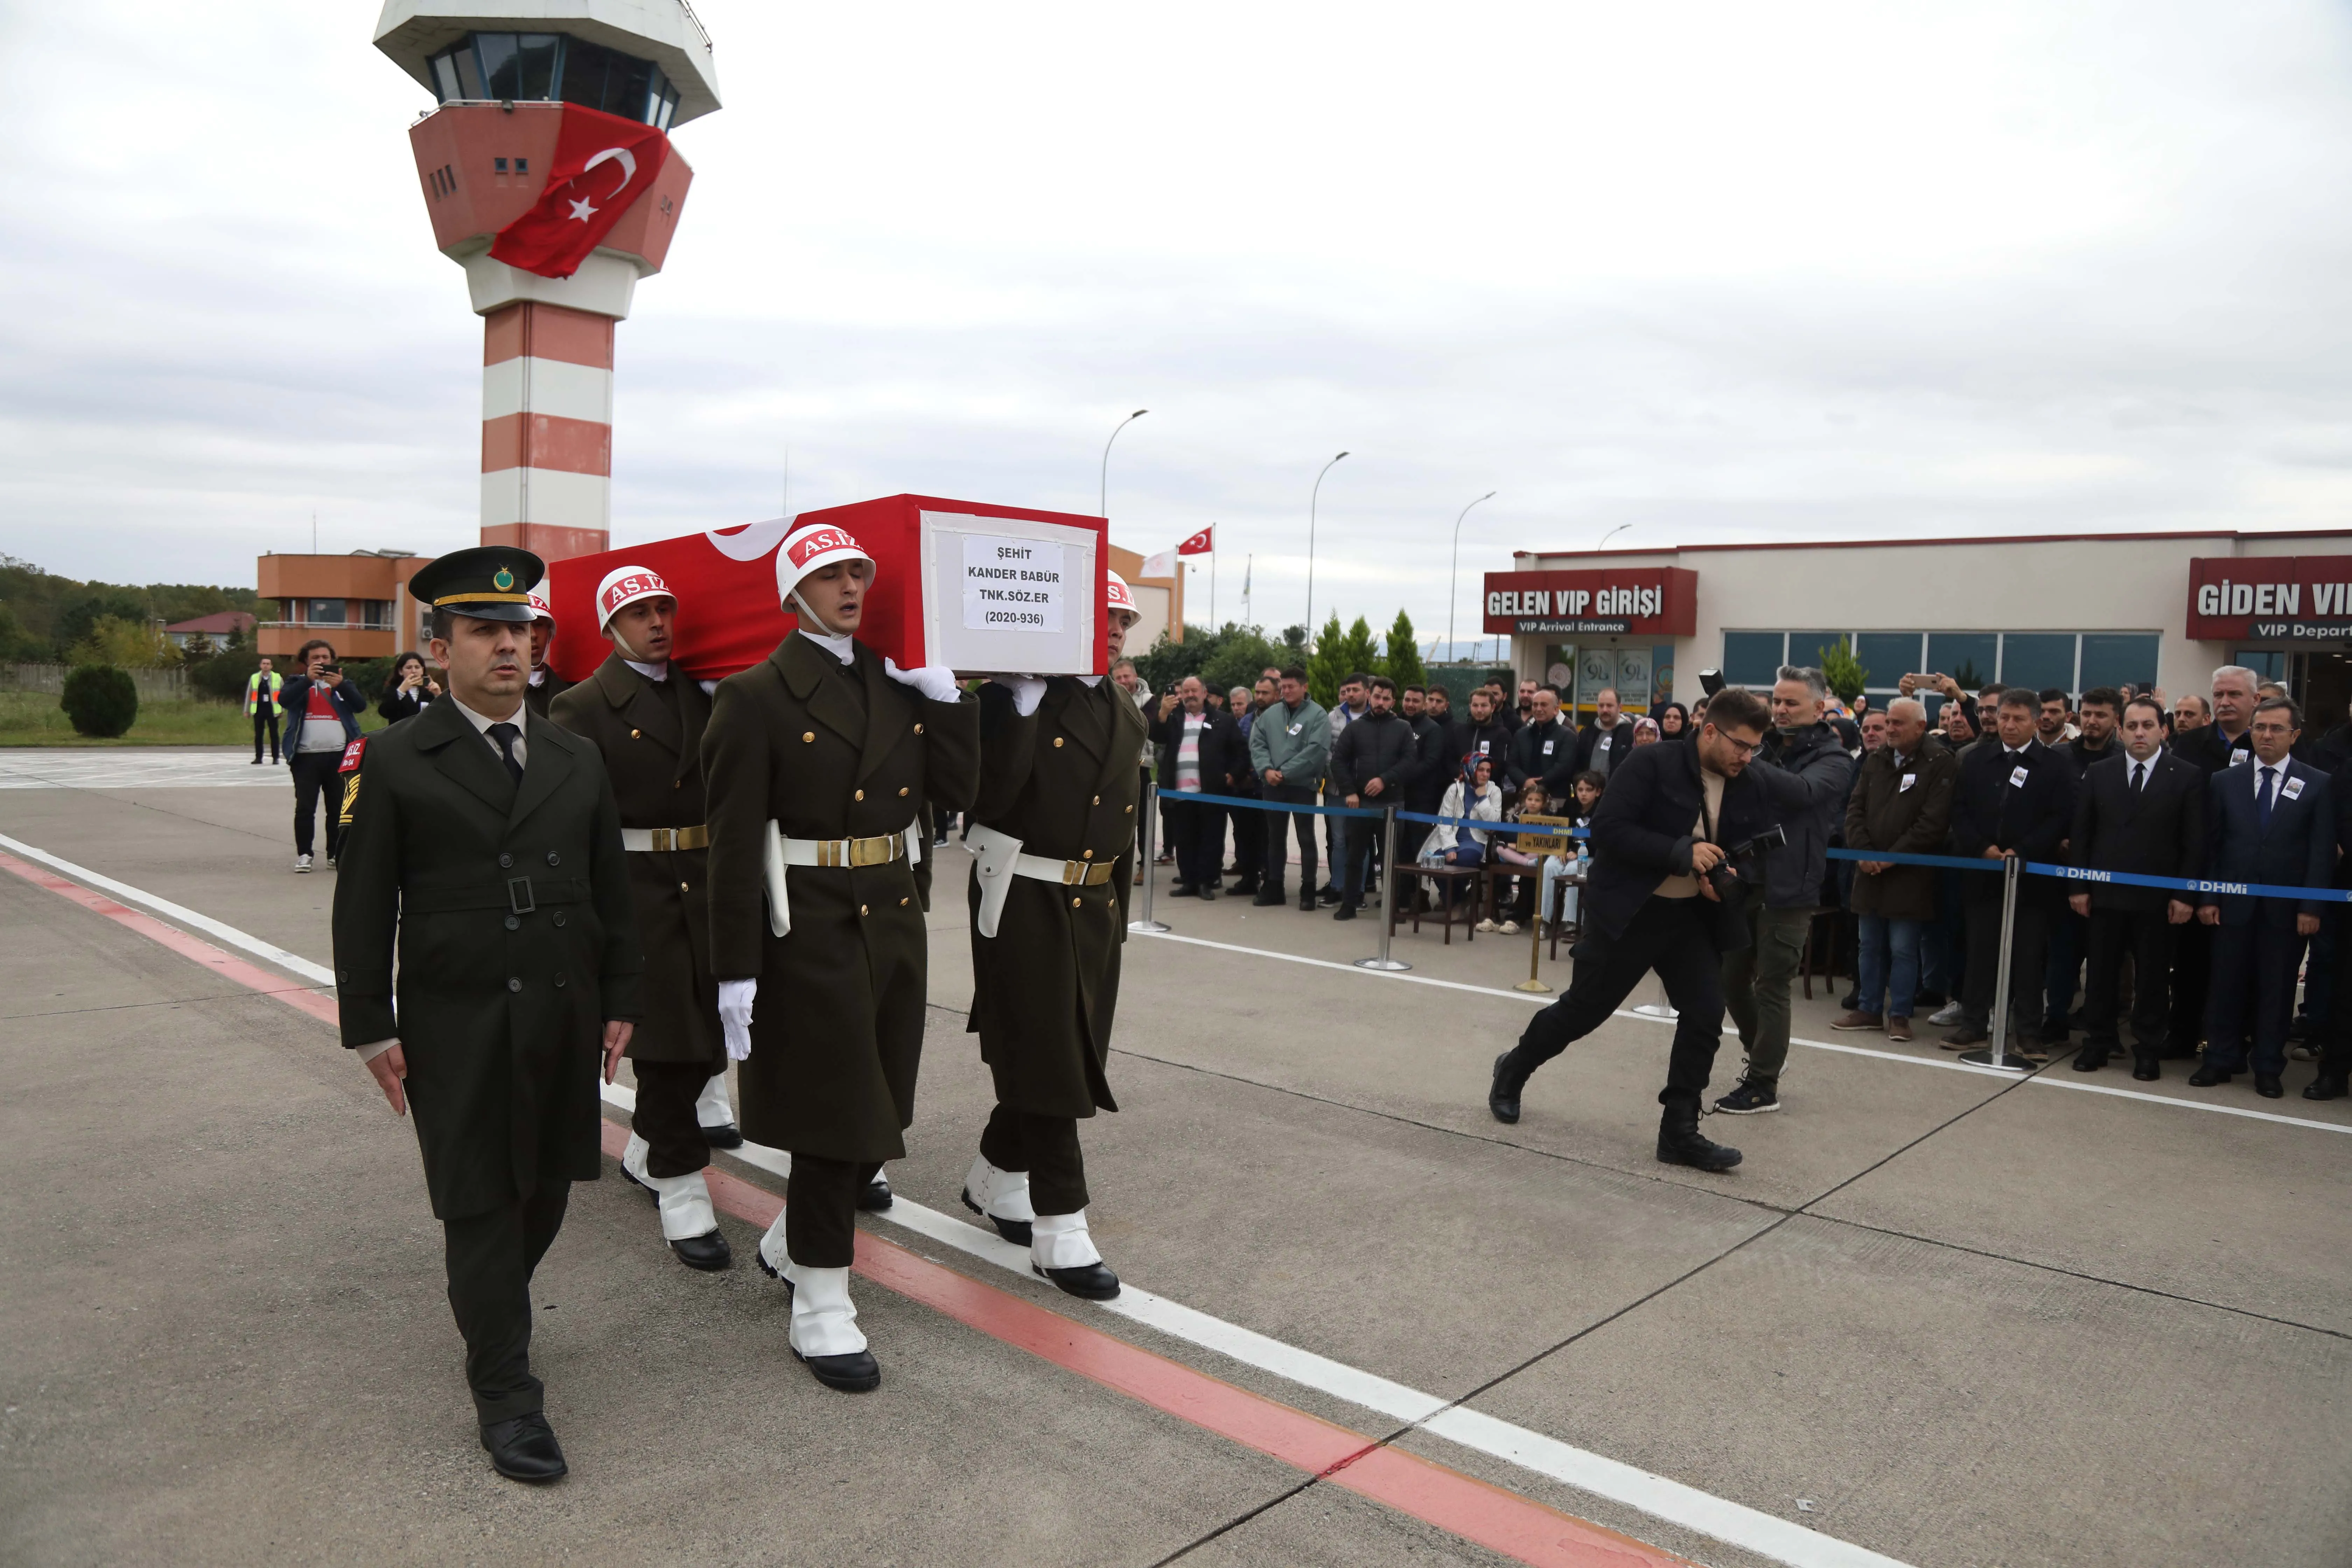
735, 1015
1028, 690
936, 681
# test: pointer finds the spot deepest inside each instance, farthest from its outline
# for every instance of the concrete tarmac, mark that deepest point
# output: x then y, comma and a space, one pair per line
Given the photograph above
1963, 1319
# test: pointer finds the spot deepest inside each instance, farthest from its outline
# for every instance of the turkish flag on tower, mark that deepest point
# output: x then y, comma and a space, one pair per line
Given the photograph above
1201, 544
602, 165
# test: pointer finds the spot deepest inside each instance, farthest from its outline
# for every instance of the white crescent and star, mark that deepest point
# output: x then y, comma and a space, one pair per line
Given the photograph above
621, 155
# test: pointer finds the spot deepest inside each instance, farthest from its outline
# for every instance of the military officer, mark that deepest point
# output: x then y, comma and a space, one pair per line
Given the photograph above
813, 762
545, 686
485, 842
1052, 846
647, 718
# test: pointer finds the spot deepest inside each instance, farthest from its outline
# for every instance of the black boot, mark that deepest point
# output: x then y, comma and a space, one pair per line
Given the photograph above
1510, 1078
1306, 901
2326, 1086
1270, 895
1680, 1143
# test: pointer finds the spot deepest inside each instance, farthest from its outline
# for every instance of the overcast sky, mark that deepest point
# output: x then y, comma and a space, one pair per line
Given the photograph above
1718, 271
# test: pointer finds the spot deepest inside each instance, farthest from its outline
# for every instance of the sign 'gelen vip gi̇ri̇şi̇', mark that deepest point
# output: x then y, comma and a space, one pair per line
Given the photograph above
1645, 600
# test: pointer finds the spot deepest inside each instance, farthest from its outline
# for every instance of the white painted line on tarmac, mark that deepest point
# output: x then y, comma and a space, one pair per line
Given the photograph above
2043, 1080
1734, 1523
294, 963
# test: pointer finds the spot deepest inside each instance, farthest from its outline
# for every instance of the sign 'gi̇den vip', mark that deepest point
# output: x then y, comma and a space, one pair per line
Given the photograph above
1647, 600
2271, 599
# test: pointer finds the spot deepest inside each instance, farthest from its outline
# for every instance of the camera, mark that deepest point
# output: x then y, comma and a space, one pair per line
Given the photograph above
1710, 681
1725, 880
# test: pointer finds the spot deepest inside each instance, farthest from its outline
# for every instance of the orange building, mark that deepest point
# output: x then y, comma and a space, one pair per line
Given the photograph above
358, 601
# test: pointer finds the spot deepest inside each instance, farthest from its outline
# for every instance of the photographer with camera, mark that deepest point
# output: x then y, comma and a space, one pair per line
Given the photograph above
1757, 976
322, 717
1676, 844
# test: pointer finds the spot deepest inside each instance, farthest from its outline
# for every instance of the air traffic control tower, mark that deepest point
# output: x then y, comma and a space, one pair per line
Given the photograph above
547, 173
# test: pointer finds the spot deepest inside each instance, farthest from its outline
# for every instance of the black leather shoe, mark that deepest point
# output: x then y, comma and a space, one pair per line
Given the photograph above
2268, 1085
1503, 1094
2145, 1069
1346, 911
857, 1372
1269, 898
1015, 1231
1307, 902
1208, 894
2089, 1060
524, 1449
1680, 1143
1092, 1281
1964, 1037
1182, 889
2206, 1076
2326, 1086
874, 1197
709, 1253
726, 1136
1326, 897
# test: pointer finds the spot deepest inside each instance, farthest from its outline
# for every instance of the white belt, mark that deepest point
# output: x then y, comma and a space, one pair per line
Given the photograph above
643, 840
997, 858
782, 852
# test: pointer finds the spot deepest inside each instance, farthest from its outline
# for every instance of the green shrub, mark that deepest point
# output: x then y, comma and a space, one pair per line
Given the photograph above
101, 700
222, 678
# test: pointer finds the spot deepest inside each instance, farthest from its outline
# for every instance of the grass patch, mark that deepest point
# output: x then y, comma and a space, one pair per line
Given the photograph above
34, 719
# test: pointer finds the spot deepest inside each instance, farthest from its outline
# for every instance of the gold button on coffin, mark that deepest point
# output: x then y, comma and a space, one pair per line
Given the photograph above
808, 735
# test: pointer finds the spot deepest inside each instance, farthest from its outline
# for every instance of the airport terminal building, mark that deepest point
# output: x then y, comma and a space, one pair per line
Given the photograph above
2070, 611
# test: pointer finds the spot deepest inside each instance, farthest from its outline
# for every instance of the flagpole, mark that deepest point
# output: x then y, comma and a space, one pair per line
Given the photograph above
1212, 592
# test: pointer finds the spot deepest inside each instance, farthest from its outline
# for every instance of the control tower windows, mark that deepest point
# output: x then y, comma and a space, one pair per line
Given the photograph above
538, 67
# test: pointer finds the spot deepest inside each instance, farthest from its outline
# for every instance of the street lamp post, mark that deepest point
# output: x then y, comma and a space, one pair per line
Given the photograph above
1610, 535
1102, 500
1313, 497
1454, 582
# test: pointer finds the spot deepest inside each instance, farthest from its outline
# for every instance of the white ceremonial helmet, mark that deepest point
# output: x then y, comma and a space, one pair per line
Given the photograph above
625, 585
541, 610
1118, 596
818, 544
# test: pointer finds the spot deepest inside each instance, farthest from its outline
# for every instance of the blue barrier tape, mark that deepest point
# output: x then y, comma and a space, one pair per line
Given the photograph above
2112, 878
1480, 823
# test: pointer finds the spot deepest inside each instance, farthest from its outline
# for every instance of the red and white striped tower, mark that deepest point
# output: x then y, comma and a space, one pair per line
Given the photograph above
483, 161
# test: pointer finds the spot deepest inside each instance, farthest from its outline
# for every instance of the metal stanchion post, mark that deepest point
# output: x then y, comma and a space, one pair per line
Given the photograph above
1150, 821
1388, 898
1535, 929
2012, 872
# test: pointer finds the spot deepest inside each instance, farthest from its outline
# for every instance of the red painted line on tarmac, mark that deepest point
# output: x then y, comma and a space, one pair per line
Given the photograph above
320, 1007
1489, 1516
1500, 1521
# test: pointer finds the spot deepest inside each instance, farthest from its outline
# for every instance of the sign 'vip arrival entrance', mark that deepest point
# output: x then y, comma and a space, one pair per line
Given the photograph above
1661, 601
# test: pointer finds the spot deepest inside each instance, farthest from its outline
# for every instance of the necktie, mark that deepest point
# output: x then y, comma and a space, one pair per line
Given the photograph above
2263, 798
2139, 776
506, 735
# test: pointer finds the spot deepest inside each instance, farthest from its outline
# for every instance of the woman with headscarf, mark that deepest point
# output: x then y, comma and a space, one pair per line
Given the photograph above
1673, 722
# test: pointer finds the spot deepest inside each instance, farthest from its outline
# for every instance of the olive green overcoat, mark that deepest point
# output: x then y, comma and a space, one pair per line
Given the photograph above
1046, 987
651, 740
509, 908
827, 751
541, 699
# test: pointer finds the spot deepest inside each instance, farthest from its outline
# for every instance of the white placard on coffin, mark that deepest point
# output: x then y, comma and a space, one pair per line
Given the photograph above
1005, 594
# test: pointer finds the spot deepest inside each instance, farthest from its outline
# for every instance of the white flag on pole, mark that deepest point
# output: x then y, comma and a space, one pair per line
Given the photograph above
1161, 566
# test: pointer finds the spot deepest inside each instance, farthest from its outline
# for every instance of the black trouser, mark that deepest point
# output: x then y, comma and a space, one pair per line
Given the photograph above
265, 715
314, 772
1196, 832
491, 1258
2029, 960
2192, 973
665, 1116
2336, 1055
2069, 938
1278, 849
2253, 972
1249, 843
1045, 1146
1667, 935
821, 1210
2147, 936
1362, 852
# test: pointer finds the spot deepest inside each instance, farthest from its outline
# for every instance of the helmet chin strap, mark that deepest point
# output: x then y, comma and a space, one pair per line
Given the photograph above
623, 644
810, 615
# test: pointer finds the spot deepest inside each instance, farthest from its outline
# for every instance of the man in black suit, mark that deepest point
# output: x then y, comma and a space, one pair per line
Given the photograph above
2016, 799
2143, 812
1481, 735
2216, 739
1199, 752
2271, 821
1658, 899
1544, 748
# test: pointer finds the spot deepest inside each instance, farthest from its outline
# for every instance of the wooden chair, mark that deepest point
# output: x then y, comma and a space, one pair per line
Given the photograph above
1835, 918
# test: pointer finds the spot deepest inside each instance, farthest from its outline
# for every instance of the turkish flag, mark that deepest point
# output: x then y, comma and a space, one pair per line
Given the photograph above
602, 165
1201, 544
